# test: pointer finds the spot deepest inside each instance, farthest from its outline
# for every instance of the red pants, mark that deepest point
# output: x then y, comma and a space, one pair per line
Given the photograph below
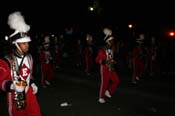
89, 64
138, 68
32, 106
109, 81
47, 73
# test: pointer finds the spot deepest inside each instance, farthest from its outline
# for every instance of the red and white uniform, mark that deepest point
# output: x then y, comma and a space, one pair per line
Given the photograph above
47, 69
109, 79
25, 73
138, 64
88, 54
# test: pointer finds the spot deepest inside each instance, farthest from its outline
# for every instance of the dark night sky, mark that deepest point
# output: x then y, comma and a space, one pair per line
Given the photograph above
52, 15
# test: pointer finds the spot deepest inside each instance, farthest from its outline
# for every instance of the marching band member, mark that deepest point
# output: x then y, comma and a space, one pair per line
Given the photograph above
47, 67
138, 60
16, 71
88, 54
109, 76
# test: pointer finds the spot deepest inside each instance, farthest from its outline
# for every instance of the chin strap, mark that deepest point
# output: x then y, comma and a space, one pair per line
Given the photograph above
16, 44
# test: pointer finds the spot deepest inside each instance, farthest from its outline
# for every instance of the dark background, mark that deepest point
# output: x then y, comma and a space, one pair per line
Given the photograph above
51, 15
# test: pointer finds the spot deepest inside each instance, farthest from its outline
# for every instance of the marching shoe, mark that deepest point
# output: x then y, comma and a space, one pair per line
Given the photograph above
134, 82
44, 86
137, 78
101, 100
47, 82
108, 94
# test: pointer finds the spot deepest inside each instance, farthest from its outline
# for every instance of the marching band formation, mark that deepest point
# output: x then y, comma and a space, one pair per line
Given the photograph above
19, 68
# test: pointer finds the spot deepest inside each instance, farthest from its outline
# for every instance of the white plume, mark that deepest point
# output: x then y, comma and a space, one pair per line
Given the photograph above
16, 21
107, 31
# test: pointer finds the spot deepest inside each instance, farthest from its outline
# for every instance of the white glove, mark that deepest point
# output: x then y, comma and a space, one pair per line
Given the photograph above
12, 87
35, 88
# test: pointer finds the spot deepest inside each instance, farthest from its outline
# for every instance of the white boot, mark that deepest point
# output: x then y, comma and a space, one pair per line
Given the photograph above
47, 82
108, 94
101, 100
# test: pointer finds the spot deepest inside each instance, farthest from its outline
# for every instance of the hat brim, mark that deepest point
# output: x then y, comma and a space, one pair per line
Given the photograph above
138, 41
110, 38
21, 40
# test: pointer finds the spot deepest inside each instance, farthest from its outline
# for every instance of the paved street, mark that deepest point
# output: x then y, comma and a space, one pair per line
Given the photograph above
149, 98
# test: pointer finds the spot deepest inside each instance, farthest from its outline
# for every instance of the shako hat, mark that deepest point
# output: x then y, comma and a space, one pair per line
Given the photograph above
17, 23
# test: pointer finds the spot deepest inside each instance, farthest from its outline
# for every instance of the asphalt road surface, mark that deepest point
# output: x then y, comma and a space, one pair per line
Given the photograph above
150, 97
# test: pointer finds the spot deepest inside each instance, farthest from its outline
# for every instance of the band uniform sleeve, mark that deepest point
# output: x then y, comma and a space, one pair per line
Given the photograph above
101, 57
5, 76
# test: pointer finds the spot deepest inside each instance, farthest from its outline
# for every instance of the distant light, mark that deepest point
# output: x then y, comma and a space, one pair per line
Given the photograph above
91, 8
171, 34
6, 38
130, 26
